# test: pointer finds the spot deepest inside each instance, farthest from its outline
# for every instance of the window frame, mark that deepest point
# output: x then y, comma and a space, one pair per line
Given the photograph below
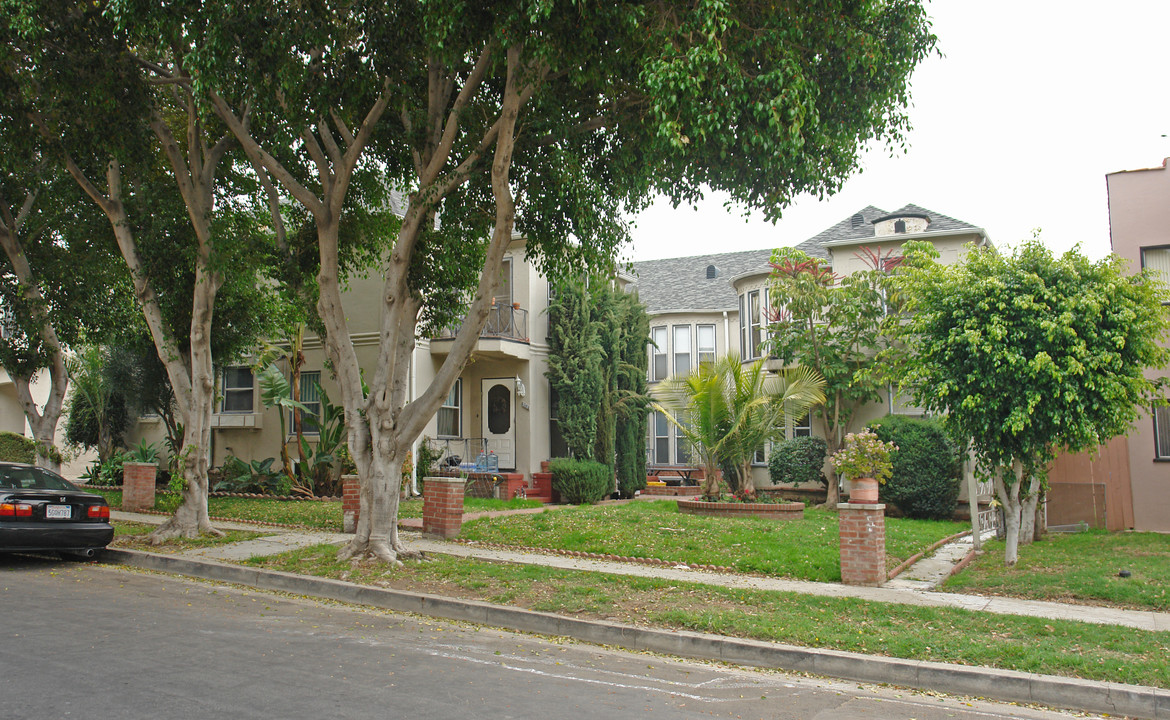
1159, 428
457, 393
675, 354
752, 332
1142, 260
656, 350
655, 438
309, 425
699, 351
235, 390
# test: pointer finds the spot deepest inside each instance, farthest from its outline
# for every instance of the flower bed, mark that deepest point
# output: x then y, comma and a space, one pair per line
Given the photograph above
773, 510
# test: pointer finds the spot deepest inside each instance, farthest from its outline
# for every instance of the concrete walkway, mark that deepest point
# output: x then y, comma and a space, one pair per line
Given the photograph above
913, 587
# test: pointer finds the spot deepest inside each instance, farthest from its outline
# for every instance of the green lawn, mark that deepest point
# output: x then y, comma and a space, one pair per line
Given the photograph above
806, 549
320, 514
1073, 649
1079, 568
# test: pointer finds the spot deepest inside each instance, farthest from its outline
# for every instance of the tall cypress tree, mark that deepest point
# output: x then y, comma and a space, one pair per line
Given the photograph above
631, 409
574, 365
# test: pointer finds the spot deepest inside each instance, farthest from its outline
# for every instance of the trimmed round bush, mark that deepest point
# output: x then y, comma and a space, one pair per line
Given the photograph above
925, 482
17, 448
580, 482
797, 461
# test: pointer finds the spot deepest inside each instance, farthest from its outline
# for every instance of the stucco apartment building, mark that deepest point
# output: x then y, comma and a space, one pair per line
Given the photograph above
705, 306
700, 307
1139, 230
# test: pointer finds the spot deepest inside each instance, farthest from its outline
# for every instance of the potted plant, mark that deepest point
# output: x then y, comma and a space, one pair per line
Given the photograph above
865, 461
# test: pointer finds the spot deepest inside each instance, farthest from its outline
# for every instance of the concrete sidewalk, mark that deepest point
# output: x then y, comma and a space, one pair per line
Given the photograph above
216, 563
901, 591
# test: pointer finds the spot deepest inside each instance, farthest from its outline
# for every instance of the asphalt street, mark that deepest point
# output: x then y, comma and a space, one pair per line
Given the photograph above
92, 641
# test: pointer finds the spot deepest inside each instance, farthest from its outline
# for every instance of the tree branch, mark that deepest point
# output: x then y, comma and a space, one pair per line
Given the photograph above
258, 155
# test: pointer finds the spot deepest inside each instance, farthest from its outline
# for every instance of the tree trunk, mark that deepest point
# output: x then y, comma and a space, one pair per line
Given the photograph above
43, 421
1009, 498
711, 482
833, 443
191, 518
747, 483
380, 475
1041, 518
1028, 511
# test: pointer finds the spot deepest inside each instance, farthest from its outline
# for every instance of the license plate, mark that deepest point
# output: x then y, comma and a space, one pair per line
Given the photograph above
58, 512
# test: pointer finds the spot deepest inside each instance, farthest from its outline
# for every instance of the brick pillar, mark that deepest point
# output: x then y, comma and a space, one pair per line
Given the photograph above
442, 506
138, 486
351, 503
863, 543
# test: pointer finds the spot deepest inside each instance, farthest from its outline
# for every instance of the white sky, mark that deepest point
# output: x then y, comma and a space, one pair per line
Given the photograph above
1014, 129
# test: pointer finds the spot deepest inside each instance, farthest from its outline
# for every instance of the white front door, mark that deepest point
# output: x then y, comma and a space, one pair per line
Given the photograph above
499, 419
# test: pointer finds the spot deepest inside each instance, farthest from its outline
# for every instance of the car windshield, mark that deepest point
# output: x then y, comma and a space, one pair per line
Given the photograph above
32, 478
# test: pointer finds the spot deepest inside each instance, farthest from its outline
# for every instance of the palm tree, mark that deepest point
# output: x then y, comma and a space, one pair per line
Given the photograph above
727, 410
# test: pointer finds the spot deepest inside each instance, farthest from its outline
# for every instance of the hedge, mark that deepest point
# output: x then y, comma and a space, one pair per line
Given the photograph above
797, 461
925, 482
17, 448
580, 481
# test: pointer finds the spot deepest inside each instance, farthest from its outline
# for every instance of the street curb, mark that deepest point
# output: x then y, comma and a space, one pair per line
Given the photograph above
1005, 685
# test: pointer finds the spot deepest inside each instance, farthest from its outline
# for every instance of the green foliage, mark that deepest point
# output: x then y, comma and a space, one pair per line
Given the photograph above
429, 453
17, 448
926, 467
727, 410
597, 369
799, 460
143, 453
837, 325
631, 408
864, 456
1027, 353
574, 365
580, 481
98, 413
107, 472
259, 477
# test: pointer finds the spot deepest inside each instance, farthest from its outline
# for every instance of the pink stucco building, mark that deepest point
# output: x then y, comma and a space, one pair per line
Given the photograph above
1139, 226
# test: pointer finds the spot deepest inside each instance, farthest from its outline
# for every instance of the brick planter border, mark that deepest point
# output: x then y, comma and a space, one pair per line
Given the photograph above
670, 491
774, 511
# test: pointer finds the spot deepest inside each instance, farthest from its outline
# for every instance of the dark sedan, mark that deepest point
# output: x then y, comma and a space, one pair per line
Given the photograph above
42, 511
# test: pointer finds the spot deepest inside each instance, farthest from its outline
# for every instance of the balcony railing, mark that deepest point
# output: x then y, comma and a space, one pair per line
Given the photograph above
506, 322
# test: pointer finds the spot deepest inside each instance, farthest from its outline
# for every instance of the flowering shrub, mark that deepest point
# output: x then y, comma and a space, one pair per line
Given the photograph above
864, 455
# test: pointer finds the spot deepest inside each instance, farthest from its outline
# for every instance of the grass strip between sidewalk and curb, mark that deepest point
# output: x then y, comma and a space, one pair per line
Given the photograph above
1035, 645
843, 638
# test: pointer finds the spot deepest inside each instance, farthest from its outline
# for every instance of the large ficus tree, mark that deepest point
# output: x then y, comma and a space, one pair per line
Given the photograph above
57, 281
549, 119
1028, 354
109, 101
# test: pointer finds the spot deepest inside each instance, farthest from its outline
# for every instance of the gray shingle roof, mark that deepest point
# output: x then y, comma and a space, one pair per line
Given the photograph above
681, 283
678, 284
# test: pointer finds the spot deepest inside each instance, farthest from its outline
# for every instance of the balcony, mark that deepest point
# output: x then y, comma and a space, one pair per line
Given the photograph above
504, 335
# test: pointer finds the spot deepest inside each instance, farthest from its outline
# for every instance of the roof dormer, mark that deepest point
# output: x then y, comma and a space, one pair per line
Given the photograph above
900, 224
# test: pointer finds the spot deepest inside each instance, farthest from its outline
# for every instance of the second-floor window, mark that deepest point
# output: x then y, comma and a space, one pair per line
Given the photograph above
751, 324
451, 413
659, 367
682, 350
705, 343
1157, 261
237, 390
